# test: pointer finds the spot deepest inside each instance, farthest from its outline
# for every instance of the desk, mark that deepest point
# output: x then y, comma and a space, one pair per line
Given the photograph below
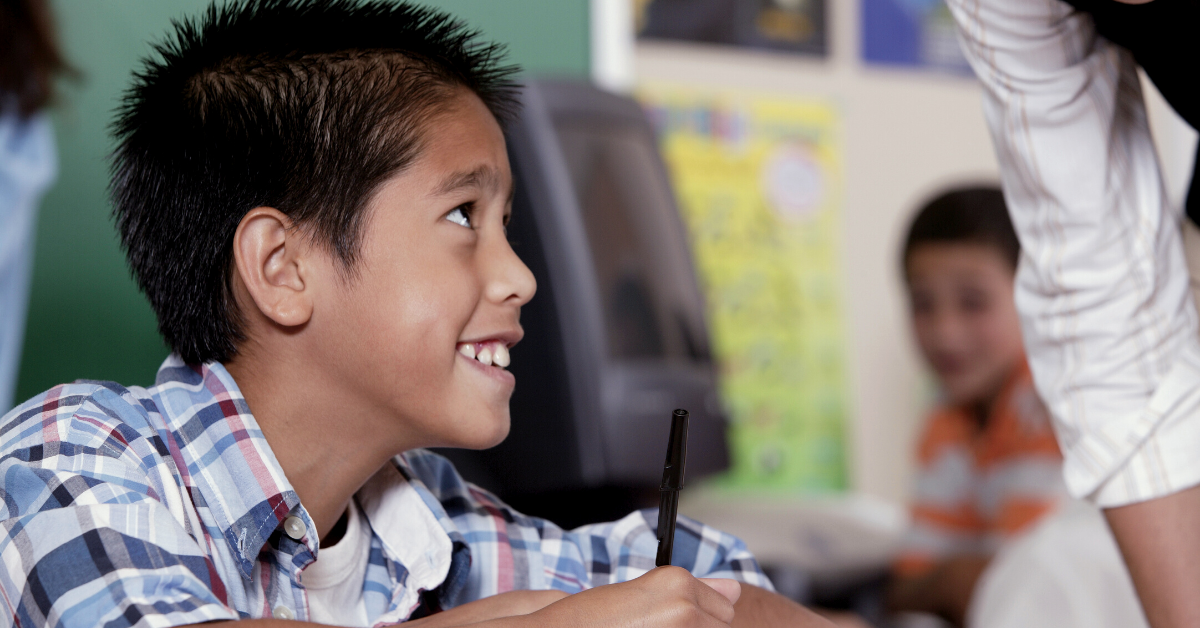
833, 538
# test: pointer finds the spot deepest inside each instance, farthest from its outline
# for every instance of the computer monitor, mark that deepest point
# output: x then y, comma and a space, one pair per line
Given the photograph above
615, 336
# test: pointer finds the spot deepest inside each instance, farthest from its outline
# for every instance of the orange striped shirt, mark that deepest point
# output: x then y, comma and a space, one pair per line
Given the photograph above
977, 486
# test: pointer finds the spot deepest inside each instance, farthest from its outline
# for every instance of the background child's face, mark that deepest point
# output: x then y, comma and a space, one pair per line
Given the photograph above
964, 318
436, 275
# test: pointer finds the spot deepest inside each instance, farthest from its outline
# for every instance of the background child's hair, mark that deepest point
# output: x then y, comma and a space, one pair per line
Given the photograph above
969, 215
302, 105
29, 56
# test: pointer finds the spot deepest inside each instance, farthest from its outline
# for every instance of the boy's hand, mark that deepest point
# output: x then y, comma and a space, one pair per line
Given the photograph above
666, 597
500, 605
760, 608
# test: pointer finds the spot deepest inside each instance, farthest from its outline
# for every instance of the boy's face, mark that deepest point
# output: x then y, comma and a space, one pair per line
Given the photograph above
436, 280
964, 318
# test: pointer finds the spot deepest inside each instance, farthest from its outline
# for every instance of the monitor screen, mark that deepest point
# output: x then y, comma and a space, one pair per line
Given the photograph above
625, 203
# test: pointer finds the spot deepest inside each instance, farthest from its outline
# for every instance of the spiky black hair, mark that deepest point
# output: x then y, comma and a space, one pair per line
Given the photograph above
302, 105
970, 215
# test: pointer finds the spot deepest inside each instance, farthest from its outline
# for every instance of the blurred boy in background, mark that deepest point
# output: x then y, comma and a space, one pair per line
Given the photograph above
988, 465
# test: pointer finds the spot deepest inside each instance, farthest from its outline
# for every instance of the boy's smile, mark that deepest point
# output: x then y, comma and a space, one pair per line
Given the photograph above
421, 329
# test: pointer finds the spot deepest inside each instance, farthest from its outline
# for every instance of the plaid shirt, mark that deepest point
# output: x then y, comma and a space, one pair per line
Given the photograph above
166, 507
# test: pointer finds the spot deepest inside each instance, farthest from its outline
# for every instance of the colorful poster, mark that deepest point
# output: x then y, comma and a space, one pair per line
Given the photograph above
914, 33
759, 187
783, 25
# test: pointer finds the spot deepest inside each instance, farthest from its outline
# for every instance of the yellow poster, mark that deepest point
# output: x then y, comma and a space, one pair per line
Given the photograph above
759, 187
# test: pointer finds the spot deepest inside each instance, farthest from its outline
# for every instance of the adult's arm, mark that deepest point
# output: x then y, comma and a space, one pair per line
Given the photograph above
1102, 290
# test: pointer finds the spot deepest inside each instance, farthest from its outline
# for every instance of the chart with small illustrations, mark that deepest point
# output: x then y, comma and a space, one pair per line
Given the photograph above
758, 183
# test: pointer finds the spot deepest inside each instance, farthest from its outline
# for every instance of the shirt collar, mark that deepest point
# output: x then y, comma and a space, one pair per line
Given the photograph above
409, 530
228, 459
455, 582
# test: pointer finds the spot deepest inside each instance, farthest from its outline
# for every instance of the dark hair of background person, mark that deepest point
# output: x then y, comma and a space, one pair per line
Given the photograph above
969, 215
29, 58
307, 106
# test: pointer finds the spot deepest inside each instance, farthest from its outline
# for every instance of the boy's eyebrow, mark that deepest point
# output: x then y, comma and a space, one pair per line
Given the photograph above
484, 177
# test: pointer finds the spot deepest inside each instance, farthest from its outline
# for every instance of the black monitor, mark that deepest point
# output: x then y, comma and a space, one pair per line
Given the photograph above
615, 337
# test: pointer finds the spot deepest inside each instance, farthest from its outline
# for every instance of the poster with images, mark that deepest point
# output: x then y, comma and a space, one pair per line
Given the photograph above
784, 25
912, 33
759, 187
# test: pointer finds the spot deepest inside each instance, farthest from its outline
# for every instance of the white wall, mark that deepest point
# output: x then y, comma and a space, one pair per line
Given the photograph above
907, 134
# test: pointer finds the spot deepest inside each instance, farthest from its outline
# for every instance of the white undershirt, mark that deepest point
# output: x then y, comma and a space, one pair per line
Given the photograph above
335, 580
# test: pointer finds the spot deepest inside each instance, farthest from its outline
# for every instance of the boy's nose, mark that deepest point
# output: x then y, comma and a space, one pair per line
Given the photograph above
949, 329
509, 279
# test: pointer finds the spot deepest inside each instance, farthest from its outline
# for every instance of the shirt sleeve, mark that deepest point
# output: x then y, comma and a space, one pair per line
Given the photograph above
1102, 288
85, 539
1023, 482
512, 551
625, 549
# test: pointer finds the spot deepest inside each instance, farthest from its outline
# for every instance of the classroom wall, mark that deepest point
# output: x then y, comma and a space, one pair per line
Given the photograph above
906, 135
86, 317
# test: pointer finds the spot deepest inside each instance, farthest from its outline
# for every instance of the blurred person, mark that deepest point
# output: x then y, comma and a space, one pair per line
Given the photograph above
988, 463
28, 62
1103, 291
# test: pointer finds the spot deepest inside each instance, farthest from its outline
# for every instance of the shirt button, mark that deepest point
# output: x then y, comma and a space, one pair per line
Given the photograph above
294, 527
283, 612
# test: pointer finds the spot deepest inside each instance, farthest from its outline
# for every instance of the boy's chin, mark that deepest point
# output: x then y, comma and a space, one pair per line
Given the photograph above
484, 438
971, 391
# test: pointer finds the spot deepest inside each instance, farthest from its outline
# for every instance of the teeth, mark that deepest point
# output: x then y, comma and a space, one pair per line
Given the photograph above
488, 353
501, 358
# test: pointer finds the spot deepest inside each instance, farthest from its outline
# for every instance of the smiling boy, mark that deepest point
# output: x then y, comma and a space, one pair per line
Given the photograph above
988, 463
313, 196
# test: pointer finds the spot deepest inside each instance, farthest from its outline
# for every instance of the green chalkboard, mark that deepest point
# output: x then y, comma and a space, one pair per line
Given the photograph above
86, 318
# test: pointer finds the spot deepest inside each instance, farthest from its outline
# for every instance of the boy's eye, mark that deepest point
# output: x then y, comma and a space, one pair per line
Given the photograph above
920, 303
461, 216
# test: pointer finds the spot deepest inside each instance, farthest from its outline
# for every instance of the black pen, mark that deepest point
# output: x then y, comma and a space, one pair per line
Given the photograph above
672, 481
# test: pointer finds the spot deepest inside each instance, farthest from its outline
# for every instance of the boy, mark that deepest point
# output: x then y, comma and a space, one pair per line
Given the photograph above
313, 194
988, 463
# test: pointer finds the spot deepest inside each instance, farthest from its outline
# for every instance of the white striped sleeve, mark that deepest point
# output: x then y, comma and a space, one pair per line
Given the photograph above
1110, 328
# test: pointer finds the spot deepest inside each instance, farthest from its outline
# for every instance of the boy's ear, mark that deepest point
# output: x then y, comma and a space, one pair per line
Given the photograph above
270, 258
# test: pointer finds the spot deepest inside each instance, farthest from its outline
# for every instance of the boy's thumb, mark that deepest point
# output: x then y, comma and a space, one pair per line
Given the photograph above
731, 589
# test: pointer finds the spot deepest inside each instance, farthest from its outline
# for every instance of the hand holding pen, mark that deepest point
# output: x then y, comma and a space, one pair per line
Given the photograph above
672, 597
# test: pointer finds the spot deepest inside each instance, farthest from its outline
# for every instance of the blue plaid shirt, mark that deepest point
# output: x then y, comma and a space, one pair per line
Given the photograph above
166, 506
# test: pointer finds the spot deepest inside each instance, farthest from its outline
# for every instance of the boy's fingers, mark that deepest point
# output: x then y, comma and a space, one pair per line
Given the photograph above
717, 598
731, 589
712, 596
